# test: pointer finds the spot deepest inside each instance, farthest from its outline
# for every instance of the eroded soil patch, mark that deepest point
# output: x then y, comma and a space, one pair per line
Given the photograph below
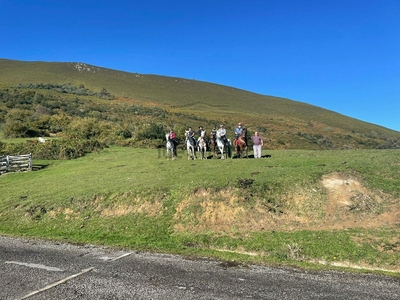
350, 204
341, 201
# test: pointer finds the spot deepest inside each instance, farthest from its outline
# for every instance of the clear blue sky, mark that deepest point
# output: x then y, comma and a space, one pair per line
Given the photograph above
342, 55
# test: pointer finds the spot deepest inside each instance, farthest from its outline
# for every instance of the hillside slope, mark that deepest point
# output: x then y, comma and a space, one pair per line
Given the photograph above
288, 123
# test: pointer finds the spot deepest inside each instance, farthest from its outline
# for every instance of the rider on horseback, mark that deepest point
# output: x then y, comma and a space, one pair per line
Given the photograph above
214, 131
201, 134
200, 131
172, 138
191, 136
238, 132
221, 133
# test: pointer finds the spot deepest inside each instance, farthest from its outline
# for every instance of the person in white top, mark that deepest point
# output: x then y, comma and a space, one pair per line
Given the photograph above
221, 133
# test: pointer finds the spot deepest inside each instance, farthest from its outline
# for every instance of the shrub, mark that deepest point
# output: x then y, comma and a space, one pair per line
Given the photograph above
150, 131
53, 149
15, 129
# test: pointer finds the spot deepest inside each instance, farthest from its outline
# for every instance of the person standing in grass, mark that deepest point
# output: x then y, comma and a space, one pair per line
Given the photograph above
257, 144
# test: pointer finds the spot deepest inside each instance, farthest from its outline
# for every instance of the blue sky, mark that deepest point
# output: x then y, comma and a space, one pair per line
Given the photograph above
342, 55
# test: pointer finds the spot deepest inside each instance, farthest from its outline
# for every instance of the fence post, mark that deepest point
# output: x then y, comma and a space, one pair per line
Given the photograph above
30, 161
7, 162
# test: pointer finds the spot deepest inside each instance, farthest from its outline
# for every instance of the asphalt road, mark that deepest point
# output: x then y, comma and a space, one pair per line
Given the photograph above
32, 269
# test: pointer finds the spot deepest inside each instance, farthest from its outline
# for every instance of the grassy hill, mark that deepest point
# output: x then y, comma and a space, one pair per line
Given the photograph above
286, 123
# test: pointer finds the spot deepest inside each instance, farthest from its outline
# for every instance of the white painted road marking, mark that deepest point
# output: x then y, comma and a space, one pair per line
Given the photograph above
121, 256
36, 266
107, 258
55, 284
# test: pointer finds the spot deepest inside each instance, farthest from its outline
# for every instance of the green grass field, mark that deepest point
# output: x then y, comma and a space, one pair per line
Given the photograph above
270, 210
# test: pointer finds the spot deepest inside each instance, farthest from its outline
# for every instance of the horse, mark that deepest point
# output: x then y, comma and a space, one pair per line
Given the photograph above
171, 149
212, 143
221, 146
202, 145
190, 146
241, 144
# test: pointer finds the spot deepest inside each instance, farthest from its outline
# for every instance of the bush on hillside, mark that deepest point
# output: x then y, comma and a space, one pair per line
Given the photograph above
53, 149
74, 112
15, 129
151, 131
69, 89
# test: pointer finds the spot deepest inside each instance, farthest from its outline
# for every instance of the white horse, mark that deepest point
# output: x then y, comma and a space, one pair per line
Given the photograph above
171, 150
190, 146
202, 145
221, 146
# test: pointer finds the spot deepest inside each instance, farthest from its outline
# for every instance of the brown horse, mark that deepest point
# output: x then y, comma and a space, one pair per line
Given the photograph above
212, 143
241, 144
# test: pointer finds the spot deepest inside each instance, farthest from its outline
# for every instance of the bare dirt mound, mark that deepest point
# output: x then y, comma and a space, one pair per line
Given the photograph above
350, 204
341, 201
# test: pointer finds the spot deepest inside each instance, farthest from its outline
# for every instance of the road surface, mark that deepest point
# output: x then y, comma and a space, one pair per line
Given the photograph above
34, 269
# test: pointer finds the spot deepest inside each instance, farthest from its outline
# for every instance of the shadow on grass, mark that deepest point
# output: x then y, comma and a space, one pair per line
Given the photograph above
37, 167
252, 156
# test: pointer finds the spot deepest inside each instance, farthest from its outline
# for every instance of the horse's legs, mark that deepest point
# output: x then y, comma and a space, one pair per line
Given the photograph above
228, 151
173, 153
194, 152
191, 152
168, 152
215, 147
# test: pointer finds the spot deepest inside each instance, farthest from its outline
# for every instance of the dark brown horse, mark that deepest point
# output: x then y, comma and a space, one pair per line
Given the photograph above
212, 143
241, 144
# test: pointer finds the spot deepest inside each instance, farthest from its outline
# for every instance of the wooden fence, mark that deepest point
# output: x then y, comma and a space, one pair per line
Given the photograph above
12, 163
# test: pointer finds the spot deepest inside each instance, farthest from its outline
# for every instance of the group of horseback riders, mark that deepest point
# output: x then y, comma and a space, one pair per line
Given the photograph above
220, 133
